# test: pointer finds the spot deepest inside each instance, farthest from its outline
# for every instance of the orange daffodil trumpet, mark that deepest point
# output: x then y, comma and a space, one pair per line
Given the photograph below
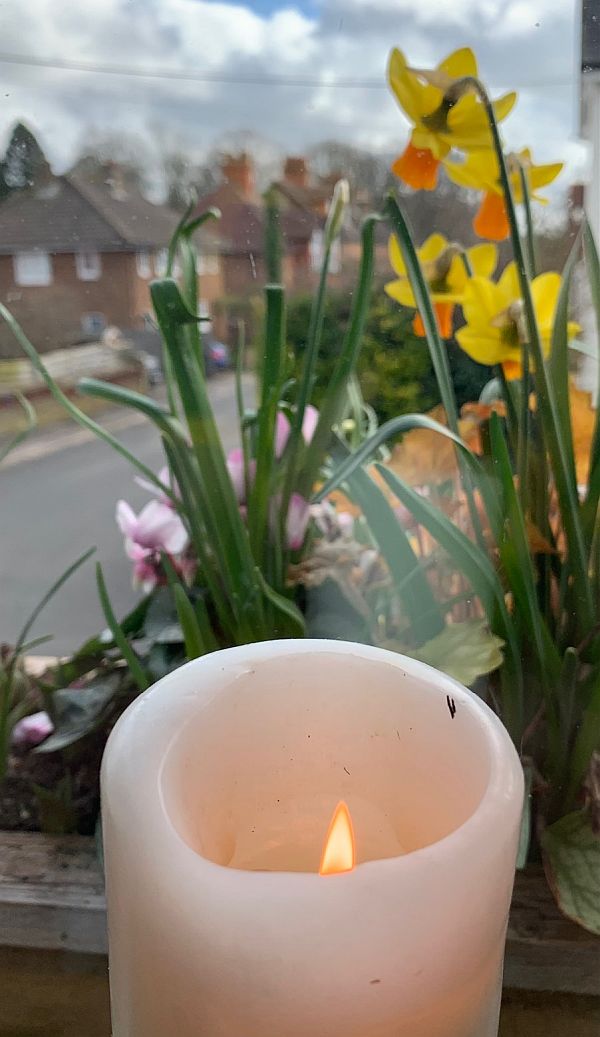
444, 116
445, 267
496, 329
480, 171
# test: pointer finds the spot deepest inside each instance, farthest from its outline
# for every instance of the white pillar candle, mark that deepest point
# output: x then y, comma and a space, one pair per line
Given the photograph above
218, 788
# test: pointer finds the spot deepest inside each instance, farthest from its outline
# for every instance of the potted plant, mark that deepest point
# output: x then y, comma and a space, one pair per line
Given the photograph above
249, 546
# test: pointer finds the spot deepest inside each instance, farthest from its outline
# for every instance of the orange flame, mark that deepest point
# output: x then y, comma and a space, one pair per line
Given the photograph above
338, 851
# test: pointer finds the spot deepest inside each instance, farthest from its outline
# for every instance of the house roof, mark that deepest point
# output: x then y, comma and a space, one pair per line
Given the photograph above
241, 227
67, 214
310, 197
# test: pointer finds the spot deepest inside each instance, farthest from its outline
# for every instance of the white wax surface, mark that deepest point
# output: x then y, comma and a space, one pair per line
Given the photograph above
236, 762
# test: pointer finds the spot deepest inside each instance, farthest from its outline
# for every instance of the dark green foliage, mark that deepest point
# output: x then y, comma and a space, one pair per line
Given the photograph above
24, 161
394, 367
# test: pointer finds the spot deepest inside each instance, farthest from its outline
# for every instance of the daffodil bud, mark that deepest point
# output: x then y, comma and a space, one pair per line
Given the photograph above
335, 218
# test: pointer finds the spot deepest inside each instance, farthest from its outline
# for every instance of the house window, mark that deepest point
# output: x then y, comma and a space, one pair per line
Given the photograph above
161, 259
208, 264
32, 269
93, 323
88, 266
143, 265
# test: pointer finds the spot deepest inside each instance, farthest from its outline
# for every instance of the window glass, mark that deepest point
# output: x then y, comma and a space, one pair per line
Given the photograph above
88, 266
142, 263
32, 269
161, 259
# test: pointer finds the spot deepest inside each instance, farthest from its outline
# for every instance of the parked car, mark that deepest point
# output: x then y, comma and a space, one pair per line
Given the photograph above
216, 355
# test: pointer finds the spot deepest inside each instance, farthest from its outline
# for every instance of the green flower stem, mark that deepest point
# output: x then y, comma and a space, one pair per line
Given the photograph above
219, 504
567, 492
239, 400
532, 260
311, 354
335, 399
135, 667
524, 431
437, 350
260, 500
273, 248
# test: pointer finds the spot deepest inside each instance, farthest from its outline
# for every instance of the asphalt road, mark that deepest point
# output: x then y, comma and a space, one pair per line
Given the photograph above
57, 498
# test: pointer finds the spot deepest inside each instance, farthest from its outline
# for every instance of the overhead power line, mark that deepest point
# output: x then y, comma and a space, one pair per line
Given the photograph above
247, 79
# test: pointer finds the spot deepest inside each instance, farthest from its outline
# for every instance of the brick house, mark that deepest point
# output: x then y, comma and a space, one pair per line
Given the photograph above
303, 206
77, 256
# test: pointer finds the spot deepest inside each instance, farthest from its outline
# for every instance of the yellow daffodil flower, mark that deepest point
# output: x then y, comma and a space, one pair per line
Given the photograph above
442, 118
480, 171
495, 329
445, 272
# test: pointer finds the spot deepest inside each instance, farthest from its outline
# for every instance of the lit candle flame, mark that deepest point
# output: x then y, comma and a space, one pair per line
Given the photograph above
338, 851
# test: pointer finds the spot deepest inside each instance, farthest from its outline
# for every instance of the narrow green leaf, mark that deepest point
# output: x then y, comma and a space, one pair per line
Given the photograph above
419, 603
20, 436
229, 539
206, 631
525, 832
572, 859
135, 667
70, 407
476, 567
559, 357
21, 639
272, 380
437, 350
194, 645
546, 397
586, 742
514, 550
333, 404
532, 262
592, 261
292, 618
273, 243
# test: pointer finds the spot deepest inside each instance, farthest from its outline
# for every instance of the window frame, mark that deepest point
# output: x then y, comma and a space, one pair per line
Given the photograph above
86, 271
32, 280
143, 264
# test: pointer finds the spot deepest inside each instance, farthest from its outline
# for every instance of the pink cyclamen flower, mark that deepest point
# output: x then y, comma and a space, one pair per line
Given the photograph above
165, 477
283, 428
32, 730
146, 574
297, 521
235, 467
157, 528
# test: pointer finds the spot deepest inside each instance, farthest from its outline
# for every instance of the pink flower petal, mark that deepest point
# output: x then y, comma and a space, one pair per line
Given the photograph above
235, 467
32, 730
145, 576
297, 521
282, 433
309, 422
126, 519
165, 477
160, 528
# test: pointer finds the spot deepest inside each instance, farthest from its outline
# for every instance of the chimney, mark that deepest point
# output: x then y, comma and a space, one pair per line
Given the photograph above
295, 171
115, 181
238, 170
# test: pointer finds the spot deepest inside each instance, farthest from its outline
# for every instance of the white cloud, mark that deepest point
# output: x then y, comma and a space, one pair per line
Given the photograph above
529, 42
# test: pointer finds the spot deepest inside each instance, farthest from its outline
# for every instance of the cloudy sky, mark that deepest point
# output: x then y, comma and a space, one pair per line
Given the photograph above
298, 71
